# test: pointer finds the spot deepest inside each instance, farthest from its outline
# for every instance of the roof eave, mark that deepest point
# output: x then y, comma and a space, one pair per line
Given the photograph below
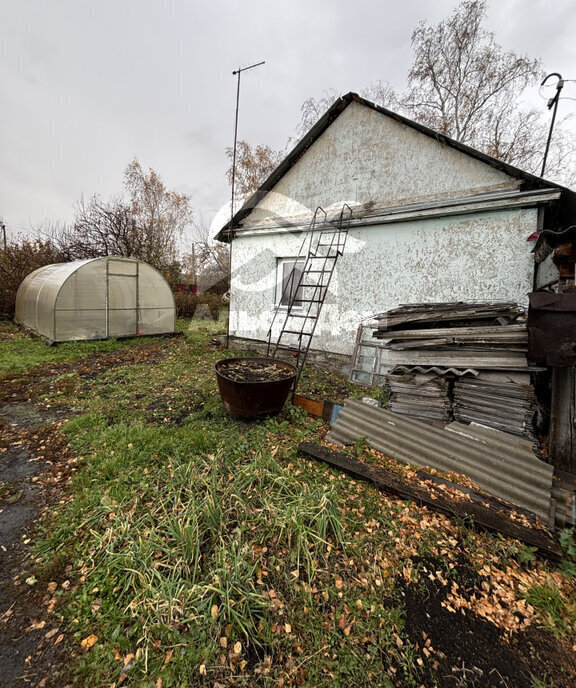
226, 234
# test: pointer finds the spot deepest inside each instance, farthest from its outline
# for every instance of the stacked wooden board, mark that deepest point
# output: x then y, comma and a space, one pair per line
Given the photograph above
447, 312
465, 361
460, 335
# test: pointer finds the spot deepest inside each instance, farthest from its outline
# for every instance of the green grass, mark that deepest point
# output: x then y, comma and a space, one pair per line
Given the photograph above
556, 613
20, 351
203, 551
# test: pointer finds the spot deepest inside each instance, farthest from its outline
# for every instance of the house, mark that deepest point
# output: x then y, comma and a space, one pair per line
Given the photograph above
433, 220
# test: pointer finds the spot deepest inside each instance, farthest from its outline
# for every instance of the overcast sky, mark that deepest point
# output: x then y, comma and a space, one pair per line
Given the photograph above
87, 85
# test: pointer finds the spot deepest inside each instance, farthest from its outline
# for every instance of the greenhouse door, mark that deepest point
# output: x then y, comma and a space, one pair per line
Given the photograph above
122, 299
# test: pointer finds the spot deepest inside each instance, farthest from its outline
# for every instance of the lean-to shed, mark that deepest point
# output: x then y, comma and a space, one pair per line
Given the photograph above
96, 299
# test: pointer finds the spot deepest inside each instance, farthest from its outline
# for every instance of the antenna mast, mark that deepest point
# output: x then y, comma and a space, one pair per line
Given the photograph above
237, 71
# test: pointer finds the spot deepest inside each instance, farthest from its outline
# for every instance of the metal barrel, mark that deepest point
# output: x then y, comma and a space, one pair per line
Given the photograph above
253, 399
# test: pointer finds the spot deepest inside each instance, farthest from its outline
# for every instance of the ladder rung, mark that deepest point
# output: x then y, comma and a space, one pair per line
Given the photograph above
296, 332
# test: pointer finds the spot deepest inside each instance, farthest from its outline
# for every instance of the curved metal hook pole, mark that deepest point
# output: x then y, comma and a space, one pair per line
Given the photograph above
552, 103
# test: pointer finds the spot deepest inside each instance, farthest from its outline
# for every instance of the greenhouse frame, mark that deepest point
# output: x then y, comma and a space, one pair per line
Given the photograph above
97, 298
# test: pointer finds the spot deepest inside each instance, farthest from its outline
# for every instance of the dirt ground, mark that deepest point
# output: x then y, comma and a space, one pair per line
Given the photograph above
471, 651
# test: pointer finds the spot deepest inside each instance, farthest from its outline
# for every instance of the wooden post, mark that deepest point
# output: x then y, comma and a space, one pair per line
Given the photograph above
562, 443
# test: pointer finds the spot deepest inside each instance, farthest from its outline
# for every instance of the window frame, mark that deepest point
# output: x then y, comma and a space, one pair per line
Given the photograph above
280, 266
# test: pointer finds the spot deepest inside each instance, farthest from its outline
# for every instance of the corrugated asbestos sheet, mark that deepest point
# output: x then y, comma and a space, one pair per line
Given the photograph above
501, 464
501, 401
453, 361
425, 396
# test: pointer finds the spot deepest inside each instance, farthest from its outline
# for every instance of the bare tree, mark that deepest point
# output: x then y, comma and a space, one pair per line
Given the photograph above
100, 228
146, 225
159, 216
463, 84
253, 166
207, 260
312, 110
461, 80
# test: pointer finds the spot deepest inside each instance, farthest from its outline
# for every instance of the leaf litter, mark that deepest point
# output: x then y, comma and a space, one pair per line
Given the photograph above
287, 571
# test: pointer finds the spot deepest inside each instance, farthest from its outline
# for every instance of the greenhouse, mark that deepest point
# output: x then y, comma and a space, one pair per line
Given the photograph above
96, 299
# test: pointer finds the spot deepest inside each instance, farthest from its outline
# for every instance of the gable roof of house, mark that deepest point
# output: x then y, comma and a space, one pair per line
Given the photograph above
530, 181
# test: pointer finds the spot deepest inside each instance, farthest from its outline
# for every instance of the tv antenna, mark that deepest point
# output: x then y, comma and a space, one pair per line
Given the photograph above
238, 72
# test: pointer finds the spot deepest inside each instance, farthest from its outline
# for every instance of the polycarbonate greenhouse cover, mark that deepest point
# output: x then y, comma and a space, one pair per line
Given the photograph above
96, 299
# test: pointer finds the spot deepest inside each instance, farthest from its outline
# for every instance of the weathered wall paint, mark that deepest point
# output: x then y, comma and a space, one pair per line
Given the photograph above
365, 156
473, 257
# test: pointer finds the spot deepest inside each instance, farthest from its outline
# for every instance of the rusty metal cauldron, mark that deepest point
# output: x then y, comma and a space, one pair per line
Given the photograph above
253, 399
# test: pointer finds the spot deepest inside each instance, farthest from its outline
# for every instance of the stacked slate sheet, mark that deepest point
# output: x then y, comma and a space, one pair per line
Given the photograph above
505, 401
467, 362
421, 395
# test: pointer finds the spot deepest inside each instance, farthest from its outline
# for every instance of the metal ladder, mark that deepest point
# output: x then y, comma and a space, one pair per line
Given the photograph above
305, 290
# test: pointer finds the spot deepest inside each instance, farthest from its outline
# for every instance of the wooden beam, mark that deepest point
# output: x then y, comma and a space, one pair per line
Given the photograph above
482, 511
318, 409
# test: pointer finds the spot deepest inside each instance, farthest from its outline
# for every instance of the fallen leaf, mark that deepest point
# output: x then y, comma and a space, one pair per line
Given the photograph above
288, 628
237, 648
168, 656
214, 611
89, 642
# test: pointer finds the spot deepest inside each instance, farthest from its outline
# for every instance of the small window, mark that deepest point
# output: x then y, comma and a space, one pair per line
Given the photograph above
289, 272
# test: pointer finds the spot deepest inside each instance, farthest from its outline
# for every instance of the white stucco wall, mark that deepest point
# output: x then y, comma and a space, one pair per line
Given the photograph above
482, 256
365, 156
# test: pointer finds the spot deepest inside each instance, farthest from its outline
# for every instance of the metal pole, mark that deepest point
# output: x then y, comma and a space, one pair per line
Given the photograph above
237, 71
235, 140
552, 103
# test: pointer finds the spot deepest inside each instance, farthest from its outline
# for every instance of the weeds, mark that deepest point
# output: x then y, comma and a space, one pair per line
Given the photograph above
201, 550
556, 613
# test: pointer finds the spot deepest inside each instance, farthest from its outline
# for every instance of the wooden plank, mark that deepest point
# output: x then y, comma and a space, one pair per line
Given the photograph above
486, 517
317, 409
460, 359
447, 311
313, 408
518, 331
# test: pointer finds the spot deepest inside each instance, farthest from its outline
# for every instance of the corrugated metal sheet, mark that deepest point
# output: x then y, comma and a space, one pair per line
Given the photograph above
501, 464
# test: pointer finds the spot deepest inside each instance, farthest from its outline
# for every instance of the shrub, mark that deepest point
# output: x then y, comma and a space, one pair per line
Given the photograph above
17, 260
